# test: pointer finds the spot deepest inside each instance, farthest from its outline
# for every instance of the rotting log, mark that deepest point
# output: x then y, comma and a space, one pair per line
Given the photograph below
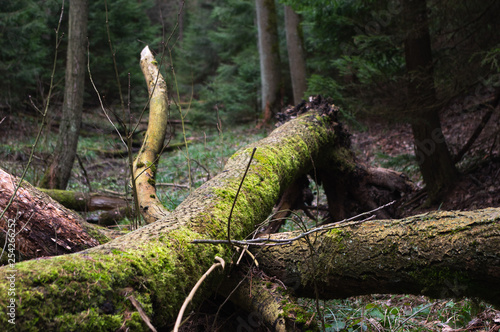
43, 226
157, 265
443, 254
88, 202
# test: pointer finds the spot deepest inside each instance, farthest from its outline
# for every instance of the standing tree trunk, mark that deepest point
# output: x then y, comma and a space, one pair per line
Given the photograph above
296, 57
270, 63
431, 150
59, 171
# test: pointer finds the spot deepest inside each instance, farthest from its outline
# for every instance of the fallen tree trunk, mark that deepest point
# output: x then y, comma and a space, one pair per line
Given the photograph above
79, 201
117, 207
43, 227
146, 274
156, 264
441, 255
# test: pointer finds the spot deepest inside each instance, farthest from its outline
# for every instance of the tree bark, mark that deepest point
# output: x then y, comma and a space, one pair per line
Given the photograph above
59, 171
144, 169
43, 227
266, 302
296, 54
440, 254
433, 157
157, 265
88, 202
117, 207
270, 63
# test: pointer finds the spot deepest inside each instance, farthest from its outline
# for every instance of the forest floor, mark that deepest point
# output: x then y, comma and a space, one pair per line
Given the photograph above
391, 146
375, 142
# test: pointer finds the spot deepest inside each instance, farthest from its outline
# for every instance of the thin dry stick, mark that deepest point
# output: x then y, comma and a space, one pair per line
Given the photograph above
264, 241
143, 315
195, 288
236, 197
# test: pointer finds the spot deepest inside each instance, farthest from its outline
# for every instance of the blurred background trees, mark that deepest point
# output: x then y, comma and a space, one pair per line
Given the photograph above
354, 52
27, 42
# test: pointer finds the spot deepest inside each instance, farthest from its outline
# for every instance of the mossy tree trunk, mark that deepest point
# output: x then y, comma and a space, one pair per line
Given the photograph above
441, 254
156, 264
80, 201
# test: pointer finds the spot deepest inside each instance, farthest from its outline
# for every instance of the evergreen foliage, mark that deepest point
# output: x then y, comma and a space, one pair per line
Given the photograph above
356, 50
26, 49
226, 85
27, 46
130, 30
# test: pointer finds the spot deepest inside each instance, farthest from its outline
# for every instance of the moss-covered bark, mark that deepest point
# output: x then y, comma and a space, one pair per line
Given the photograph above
80, 201
156, 264
268, 302
441, 254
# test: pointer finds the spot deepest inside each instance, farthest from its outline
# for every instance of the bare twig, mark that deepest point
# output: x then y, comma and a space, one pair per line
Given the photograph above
273, 242
195, 288
236, 197
143, 315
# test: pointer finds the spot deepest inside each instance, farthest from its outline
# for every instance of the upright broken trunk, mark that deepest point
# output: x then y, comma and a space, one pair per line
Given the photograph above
144, 168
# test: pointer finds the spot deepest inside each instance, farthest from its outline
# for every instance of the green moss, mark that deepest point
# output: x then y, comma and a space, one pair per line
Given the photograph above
338, 236
152, 182
93, 231
299, 315
88, 321
140, 164
80, 288
158, 265
151, 166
